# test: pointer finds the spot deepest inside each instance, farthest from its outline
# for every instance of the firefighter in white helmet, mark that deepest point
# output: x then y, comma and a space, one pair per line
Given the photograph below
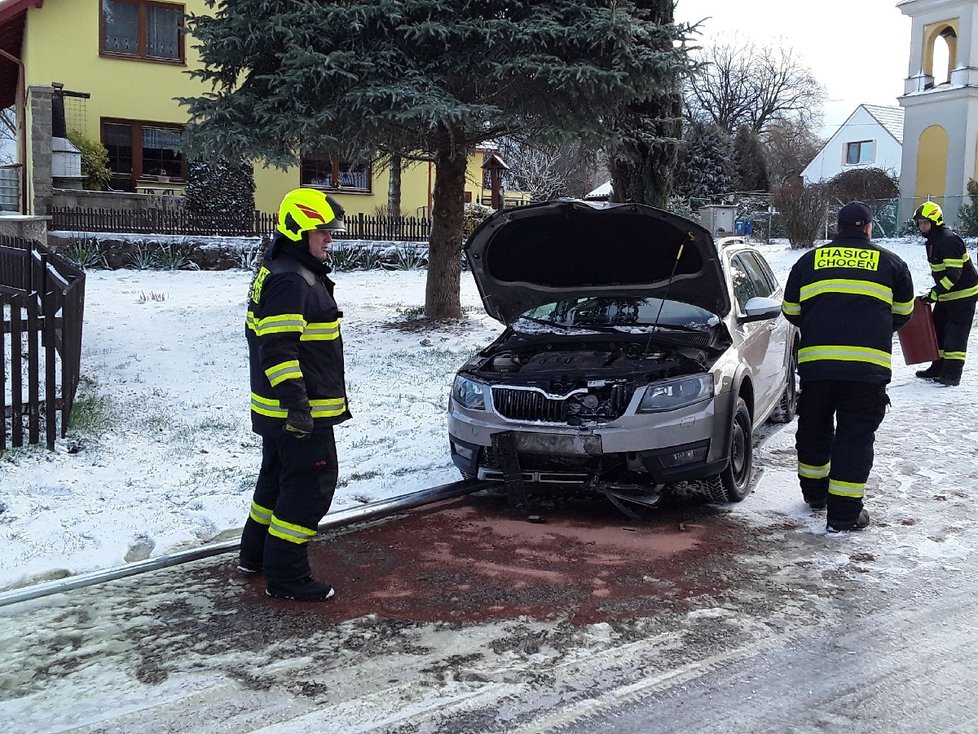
298, 393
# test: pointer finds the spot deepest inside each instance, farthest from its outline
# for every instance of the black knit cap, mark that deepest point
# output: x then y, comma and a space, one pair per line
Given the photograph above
855, 214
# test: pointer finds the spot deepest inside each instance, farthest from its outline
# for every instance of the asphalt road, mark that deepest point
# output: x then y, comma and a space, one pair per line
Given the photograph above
467, 618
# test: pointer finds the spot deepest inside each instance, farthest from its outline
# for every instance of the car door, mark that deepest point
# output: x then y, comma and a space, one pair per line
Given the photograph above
764, 342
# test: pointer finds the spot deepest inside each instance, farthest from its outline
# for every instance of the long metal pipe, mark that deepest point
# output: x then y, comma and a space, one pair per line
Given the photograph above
371, 511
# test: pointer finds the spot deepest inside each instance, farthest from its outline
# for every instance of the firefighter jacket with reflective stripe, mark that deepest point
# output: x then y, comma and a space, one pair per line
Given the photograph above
955, 278
848, 297
294, 343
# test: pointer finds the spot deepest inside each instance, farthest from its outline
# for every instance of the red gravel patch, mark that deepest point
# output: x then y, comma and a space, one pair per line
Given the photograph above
474, 559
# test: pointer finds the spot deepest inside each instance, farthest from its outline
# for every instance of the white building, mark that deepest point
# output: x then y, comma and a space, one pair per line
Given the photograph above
872, 137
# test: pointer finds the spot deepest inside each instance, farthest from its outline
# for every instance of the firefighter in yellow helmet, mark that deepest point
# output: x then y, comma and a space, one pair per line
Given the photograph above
298, 393
953, 295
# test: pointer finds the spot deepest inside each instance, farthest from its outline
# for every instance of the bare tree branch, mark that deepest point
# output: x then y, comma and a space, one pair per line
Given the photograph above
744, 84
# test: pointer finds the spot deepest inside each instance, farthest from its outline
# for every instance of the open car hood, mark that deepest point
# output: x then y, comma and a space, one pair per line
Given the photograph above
528, 256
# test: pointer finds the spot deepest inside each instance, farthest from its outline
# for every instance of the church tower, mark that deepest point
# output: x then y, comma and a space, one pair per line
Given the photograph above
940, 102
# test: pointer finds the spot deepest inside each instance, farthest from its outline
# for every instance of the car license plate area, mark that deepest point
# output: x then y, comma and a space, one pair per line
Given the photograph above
542, 443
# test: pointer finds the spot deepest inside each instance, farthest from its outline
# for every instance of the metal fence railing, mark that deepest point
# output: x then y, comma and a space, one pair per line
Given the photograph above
42, 302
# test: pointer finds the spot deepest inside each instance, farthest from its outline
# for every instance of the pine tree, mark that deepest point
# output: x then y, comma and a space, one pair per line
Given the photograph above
221, 193
650, 130
704, 167
968, 213
750, 168
354, 78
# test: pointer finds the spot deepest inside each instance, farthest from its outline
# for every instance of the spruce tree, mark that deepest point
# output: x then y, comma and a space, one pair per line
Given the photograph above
221, 194
290, 77
704, 168
750, 168
650, 129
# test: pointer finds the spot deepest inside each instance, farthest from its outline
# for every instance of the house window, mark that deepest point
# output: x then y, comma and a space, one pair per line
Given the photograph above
142, 150
325, 173
861, 152
142, 29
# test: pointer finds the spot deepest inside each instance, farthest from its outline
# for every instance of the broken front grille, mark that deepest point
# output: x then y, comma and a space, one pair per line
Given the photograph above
528, 405
607, 403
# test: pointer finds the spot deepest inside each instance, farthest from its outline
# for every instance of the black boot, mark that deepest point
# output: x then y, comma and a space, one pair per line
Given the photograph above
931, 372
305, 589
252, 548
287, 572
860, 523
951, 373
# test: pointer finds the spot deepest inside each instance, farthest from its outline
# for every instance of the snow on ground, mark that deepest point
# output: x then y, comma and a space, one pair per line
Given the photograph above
162, 457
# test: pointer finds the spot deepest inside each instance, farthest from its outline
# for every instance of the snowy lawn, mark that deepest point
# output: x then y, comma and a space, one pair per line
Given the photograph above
162, 456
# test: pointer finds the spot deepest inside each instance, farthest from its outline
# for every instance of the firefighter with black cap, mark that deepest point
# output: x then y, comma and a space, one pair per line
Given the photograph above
298, 393
953, 295
847, 297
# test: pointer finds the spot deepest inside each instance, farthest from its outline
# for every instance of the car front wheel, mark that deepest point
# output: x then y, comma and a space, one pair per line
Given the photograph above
733, 483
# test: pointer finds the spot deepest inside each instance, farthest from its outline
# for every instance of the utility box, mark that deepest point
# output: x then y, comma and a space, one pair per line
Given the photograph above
720, 219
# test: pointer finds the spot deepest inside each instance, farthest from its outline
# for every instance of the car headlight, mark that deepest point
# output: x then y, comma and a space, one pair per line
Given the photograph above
676, 393
469, 393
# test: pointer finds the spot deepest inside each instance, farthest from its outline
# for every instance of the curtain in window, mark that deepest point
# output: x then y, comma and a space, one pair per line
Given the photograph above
163, 32
121, 27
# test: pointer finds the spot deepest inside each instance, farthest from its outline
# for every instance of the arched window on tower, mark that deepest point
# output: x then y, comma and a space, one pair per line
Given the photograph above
942, 55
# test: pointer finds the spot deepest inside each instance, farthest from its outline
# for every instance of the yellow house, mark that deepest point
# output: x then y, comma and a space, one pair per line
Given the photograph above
115, 68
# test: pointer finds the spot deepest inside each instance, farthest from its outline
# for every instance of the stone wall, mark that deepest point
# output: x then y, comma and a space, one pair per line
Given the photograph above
25, 227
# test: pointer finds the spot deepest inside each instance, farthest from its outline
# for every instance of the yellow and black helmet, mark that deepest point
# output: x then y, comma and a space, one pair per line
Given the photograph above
930, 211
306, 209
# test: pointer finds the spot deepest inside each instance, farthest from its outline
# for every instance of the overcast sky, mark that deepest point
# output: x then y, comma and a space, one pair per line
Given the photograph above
858, 49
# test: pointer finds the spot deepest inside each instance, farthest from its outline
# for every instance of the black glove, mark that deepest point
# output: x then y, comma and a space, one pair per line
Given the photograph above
299, 423
929, 297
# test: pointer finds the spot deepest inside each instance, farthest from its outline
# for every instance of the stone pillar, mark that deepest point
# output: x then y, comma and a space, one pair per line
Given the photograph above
41, 184
25, 227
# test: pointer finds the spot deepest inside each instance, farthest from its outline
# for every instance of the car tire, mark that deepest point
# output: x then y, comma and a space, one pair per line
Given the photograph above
733, 483
784, 411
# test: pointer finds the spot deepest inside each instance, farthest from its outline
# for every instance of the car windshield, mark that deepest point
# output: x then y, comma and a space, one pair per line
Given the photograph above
620, 313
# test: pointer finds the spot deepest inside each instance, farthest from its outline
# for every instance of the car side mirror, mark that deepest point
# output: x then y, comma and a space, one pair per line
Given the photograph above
760, 308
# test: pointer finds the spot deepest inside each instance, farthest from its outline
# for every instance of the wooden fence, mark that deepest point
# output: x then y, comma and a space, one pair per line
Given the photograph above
42, 301
180, 222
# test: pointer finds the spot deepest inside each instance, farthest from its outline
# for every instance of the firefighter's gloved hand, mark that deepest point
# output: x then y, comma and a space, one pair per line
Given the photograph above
299, 423
929, 297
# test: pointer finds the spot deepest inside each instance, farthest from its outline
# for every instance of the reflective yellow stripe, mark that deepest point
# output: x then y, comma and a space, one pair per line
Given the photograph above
321, 331
946, 282
937, 267
320, 407
850, 287
956, 262
957, 295
902, 309
957, 356
286, 322
790, 309
327, 407
846, 489
282, 371
267, 406
251, 322
290, 532
261, 515
844, 353
813, 472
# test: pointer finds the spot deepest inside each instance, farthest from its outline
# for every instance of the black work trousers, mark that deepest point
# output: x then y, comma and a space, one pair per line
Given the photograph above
952, 323
837, 422
294, 490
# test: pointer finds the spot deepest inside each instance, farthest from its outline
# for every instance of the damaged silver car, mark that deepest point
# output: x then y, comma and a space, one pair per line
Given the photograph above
638, 353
